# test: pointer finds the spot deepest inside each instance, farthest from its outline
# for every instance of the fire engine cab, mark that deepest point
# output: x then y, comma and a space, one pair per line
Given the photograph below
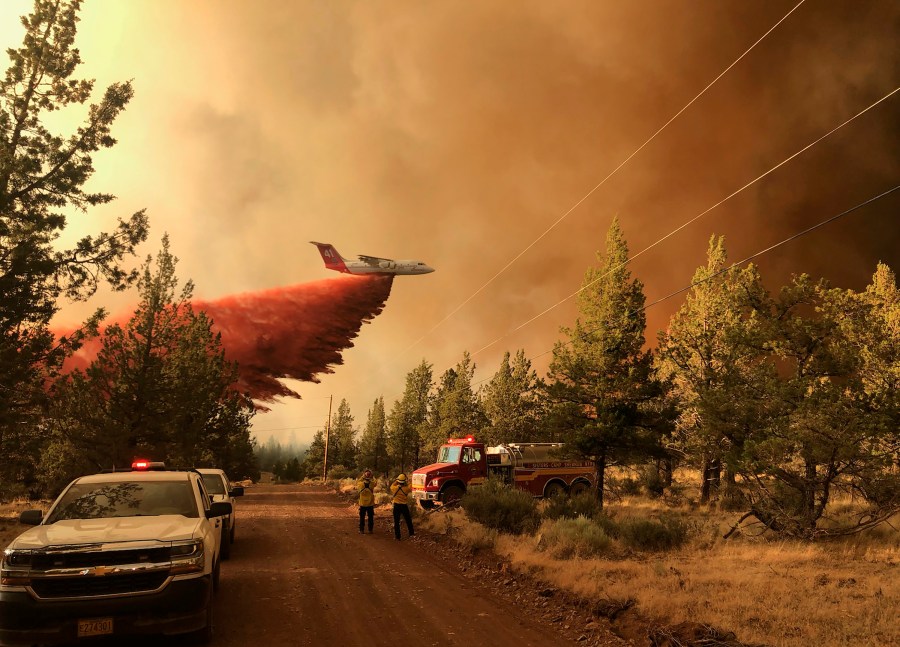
534, 467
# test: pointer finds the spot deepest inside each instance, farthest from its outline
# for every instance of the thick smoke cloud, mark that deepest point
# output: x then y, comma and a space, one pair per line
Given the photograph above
457, 133
296, 332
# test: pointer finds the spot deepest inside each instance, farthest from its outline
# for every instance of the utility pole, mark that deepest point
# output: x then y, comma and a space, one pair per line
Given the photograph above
327, 431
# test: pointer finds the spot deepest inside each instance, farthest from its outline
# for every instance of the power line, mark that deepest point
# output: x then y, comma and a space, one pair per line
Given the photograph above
752, 256
603, 181
694, 219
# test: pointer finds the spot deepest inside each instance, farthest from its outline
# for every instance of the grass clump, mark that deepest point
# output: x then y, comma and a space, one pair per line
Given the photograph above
564, 507
504, 508
660, 534
579, 537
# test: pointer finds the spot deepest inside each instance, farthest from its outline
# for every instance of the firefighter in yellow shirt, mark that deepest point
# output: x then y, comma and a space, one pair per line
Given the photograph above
366, 488
400, 490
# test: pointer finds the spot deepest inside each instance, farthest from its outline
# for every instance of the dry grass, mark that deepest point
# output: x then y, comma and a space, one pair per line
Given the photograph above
783, 594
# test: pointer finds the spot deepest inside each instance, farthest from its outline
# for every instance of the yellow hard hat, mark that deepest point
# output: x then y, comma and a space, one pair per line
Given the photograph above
401, 478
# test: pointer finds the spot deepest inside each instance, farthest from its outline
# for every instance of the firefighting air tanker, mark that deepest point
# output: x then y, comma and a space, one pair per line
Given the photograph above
368, 264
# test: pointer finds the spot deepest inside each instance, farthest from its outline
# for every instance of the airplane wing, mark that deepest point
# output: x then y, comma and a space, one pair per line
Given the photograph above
374, 260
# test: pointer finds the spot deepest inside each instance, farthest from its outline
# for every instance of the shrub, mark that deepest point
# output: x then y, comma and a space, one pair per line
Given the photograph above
651, 534
497, 505
583, 505
652, 482
339, 472
579, 537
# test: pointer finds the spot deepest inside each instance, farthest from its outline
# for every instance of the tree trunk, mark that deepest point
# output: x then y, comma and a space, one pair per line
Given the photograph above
600, 466
704, 481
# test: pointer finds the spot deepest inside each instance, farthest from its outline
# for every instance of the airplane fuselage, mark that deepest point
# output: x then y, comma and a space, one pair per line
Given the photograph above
386, 267
369, 264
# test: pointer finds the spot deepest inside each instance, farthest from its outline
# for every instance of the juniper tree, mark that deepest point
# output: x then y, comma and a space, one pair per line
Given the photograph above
708, 345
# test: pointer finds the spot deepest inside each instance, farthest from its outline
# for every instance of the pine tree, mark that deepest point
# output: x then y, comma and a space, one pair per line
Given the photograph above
372, 446
514, 410
601, 381
405, 424
42, 176
342, 443
456, 408
160, 386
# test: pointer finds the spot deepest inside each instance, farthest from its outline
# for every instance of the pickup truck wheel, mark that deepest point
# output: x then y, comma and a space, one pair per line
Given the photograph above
225, 543
204, 636
452, 495
426, 505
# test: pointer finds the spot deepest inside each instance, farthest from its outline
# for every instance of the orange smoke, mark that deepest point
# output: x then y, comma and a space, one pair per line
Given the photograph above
293, 332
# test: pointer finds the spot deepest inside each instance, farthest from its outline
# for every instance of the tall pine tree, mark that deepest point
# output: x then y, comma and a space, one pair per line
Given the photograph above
601, 381
42, 178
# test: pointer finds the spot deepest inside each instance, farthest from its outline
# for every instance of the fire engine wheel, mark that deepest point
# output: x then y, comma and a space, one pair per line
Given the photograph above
426, 505
554, 490
452, 495
578, 488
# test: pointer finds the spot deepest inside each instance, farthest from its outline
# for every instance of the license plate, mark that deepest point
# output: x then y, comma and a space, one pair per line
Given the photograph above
95, 627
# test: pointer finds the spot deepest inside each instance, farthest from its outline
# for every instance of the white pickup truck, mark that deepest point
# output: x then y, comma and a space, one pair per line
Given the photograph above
117, 553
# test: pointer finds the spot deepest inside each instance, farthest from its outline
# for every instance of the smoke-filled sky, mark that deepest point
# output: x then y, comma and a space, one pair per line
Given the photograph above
458, 133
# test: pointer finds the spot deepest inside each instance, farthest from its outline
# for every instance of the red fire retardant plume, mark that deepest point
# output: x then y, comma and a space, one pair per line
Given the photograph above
294, 332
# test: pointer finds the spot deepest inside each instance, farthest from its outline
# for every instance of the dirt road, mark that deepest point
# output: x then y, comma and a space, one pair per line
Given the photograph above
301, 574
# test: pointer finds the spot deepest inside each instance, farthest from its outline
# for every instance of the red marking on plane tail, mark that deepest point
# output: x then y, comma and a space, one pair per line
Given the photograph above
333, 260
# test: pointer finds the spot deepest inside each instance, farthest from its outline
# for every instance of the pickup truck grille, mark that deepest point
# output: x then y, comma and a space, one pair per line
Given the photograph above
92, 586
47, 561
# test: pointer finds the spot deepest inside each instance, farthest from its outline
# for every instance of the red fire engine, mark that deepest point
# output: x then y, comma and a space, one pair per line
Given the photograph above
533, 467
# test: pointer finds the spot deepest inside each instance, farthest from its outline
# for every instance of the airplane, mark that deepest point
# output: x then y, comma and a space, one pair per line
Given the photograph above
368, 264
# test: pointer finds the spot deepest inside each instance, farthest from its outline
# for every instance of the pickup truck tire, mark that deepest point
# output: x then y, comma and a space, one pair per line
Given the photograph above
451, 495
204, 636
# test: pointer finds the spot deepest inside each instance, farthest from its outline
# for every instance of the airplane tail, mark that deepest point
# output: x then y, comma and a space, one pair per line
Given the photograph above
333, 260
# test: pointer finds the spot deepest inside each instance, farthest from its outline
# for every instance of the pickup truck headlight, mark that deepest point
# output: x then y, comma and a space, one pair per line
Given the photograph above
187, 557
15, 568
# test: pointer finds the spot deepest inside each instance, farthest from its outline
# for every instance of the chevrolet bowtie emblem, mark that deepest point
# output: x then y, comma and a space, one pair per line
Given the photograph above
100, 571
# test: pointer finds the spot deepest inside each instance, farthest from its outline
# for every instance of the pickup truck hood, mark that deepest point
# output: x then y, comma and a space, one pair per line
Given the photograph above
164, 528
437, 469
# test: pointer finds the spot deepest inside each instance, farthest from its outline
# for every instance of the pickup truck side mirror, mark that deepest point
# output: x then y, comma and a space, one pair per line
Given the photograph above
219, 509
237, 490
31, 517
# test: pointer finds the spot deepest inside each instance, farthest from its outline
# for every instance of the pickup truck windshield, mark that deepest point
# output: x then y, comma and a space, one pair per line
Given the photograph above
449, 454
214, 483
129, 499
